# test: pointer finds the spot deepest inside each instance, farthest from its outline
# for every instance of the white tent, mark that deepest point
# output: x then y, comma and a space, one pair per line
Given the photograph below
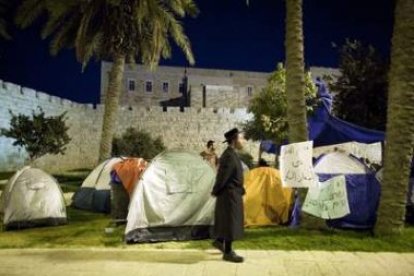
362, 186
339, 163
172, 201
94, 194
32, 198
372, 152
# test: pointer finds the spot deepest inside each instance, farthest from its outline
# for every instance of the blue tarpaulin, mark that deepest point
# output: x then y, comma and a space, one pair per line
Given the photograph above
363, 197
325, 129
363, 192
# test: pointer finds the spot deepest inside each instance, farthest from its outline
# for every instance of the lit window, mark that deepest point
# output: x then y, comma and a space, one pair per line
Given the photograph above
165, 87
181, 88
131, 85
249, 91
148, 86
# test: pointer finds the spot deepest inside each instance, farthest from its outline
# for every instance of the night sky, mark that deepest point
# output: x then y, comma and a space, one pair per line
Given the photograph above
227, 34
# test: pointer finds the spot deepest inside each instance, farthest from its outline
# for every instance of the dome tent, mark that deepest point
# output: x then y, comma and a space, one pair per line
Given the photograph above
95, 192
172, 200
32, 198
363, 188
339, 163
266, 202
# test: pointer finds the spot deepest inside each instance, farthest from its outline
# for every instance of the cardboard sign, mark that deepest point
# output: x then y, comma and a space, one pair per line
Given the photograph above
328, 200
296, 167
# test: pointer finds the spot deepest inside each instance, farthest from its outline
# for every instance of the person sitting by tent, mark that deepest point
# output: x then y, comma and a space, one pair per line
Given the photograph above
262, 163
209, 154
228, 189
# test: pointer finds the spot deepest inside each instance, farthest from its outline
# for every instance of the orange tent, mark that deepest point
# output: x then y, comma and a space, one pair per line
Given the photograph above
266, 202
129, 171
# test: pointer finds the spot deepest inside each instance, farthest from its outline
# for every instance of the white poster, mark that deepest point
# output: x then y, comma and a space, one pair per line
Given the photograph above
329, 200
296, 167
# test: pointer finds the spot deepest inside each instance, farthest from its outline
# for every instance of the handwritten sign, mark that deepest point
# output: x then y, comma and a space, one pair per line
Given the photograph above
296, 165
328, 200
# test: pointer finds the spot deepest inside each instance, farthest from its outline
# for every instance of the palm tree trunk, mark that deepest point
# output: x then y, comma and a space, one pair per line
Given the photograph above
400, 127
295, 91
295, 72
112, 96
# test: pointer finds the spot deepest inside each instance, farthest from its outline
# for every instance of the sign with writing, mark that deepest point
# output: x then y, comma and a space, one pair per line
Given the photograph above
328, 200
296, 167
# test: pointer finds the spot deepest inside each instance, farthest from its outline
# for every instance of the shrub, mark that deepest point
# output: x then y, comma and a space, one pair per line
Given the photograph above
137, 143
269, 108
38, 134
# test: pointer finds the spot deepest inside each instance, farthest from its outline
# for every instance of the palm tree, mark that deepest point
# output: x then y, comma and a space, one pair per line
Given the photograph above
295, 90
400, 126
295, 72
119, 30
3, 22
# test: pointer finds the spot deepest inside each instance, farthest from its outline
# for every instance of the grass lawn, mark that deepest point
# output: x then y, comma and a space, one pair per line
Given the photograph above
87, 230
6, 175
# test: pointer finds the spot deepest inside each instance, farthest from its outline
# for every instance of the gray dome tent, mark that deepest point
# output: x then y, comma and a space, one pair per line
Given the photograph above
95, 192
172, 200
32, 198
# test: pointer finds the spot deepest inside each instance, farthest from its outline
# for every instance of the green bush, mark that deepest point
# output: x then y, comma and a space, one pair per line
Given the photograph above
38, 134
269, 108
135, 143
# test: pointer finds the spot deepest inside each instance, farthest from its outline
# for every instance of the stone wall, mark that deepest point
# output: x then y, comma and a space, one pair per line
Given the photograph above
189, 129
81, 119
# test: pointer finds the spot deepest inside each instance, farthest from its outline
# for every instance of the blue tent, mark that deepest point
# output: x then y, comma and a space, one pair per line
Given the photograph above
325, 129
363, 190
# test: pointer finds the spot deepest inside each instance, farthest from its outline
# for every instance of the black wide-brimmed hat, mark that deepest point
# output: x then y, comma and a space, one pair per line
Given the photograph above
229, 135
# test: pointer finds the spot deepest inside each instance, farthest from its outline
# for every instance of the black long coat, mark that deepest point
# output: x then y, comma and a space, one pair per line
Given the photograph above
229, 215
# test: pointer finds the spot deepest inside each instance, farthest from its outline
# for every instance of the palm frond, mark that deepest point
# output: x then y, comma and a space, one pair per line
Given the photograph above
65, 36
57, 11
135, 29
3, 22
177, 33
29, 11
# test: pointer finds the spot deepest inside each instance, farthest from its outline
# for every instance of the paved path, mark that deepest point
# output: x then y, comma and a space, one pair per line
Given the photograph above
135, 262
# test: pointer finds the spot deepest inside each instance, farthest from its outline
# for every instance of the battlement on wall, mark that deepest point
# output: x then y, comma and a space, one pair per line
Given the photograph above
8, 89
15, 91
186, 110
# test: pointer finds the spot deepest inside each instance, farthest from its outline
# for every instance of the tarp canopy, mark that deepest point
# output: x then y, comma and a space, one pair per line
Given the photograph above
32, 198
325, 129
266, 202
363, 189
172, 201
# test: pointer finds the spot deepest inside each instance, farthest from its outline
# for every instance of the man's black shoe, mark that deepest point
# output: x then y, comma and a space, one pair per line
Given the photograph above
233, 257
219, 245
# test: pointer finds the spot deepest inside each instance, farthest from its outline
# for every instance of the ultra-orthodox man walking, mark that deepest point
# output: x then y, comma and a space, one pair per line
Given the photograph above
229, 190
